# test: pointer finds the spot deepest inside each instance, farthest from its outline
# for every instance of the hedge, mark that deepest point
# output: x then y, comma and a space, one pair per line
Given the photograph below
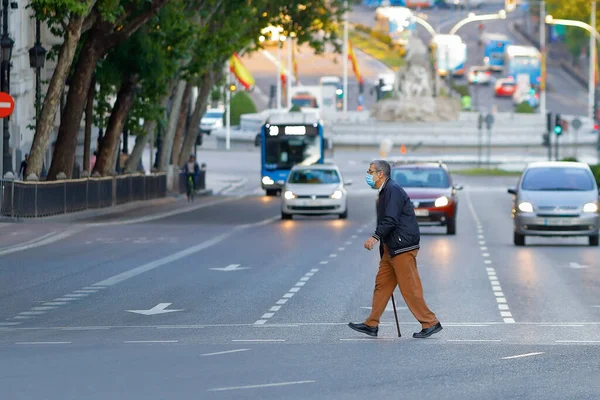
241, 103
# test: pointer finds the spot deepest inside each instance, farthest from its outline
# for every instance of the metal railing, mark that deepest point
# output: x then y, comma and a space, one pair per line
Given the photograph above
44, 198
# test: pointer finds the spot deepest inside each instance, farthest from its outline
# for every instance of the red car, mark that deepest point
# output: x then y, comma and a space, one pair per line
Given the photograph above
505, 87
431, 191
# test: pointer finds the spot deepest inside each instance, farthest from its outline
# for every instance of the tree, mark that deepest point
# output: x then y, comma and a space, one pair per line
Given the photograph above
112, 24
64, 18
240, 104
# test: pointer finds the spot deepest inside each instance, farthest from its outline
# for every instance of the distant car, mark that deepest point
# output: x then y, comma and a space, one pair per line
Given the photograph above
505, 87
304, 99
432, 192
212, 119
555, 198
480, 75
317, 189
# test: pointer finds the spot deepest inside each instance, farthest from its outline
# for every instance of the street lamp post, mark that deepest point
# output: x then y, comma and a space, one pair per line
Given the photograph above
473, 18
592, 82
593, 42
543, 54
345, 63
6, 46
37, 58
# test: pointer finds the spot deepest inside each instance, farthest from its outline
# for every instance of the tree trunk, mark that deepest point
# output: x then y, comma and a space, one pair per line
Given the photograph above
167, 144
183, 114
150, 129
140, 144
208, 80
45, 124
106, 156
68, 133
89, 110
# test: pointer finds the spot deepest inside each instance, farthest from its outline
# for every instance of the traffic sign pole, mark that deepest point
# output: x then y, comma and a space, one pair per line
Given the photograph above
489, 121
7, 106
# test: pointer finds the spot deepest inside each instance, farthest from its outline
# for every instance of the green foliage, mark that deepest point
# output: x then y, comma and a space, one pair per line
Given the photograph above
596, 171
571, 159
240, 104
524, 108
462, 90
576, 39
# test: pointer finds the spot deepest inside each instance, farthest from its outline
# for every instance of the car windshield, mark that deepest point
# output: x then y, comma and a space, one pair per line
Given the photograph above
558, 179
421, 177
311, 176
215, 114
302, 102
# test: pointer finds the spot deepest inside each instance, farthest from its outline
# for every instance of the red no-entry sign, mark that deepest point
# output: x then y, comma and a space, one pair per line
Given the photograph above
7, 104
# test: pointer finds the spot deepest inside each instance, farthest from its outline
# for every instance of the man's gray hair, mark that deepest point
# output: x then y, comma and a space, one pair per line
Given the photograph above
383, 166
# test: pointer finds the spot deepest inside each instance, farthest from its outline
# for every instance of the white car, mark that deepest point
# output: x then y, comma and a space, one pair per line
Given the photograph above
212, 119
480, 75
316, 189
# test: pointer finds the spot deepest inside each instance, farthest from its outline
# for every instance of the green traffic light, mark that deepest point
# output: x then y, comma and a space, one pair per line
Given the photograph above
558, 130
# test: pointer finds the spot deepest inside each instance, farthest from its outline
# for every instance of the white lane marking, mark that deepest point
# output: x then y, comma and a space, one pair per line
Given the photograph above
304, 279
300, 284
348, 243
21, 317
275, 308
151, 341
575, 265
354, 236
224, 352
282, 301
577, 341
67, 299
76, 295
563, 325
323, 262
94, 287
309, 274
260, 322
474, 340
258, 340
288, 295
522, 355
43, 343
42, 242
177, 256
55, 303
267, 315
165, 214
88, 291
341, 248
333, 255
230, 267
314, 270
259, 386
294, 289
43, 308
365, 339
10, 323
505, 313
86, 328
32, 313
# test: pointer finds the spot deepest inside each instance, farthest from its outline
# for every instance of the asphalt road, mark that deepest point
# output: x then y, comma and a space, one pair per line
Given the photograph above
260, 306
564, 94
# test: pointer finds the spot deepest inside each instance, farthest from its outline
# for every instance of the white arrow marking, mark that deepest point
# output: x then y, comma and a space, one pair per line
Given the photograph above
230, 267
158, 309
577, 266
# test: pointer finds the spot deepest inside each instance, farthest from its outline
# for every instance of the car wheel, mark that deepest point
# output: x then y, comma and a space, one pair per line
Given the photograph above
518, 239
286, 215
271, 192
593, 240
451, 226
344, 215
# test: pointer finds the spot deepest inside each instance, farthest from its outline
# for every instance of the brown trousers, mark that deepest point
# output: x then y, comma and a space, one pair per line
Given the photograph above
402, 271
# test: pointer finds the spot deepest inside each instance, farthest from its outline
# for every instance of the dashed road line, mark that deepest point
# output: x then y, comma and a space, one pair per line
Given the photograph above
259, 386
151, 341
266, 316
522, 355
501, 302
224, 352
25, 343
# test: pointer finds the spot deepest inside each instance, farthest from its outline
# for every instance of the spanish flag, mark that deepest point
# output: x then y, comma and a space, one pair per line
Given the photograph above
295, 64
352, 58
240, 72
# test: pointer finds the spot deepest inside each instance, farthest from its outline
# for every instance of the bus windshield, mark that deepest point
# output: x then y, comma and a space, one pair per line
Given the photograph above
283, 152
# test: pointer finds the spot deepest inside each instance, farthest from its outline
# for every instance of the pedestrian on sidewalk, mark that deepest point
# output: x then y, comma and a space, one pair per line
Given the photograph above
399, 242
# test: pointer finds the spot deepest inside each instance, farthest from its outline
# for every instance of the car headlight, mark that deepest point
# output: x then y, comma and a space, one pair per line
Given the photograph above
442, 201
526, 207
267, 181
590, 208
337, 195
289, 195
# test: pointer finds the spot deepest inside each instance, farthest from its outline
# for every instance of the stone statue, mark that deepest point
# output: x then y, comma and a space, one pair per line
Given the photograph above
413, 95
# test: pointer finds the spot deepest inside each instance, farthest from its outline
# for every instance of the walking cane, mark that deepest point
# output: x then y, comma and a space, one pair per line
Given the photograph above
396, 315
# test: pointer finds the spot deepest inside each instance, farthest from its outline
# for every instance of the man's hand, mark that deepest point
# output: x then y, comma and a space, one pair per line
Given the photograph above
370, 243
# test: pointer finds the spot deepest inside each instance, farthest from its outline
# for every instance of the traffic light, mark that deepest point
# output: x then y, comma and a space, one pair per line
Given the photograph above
510, 5
548, 122
232, 87
546, 140
558, 129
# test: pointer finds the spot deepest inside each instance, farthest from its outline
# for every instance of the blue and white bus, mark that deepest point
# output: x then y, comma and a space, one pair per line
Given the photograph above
288, 139
521, 60
494, 46
450, 54
397, 22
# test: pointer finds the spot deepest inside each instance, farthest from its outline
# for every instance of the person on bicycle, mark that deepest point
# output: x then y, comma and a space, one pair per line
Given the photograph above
191, 169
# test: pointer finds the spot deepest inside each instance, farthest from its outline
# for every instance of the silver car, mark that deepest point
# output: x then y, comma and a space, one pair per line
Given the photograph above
316, 189
555, 199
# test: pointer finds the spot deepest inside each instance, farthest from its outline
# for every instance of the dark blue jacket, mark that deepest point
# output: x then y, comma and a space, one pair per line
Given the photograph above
396, 221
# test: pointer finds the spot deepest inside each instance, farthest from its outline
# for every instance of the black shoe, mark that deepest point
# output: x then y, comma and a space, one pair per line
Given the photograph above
425, 333
369, 330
